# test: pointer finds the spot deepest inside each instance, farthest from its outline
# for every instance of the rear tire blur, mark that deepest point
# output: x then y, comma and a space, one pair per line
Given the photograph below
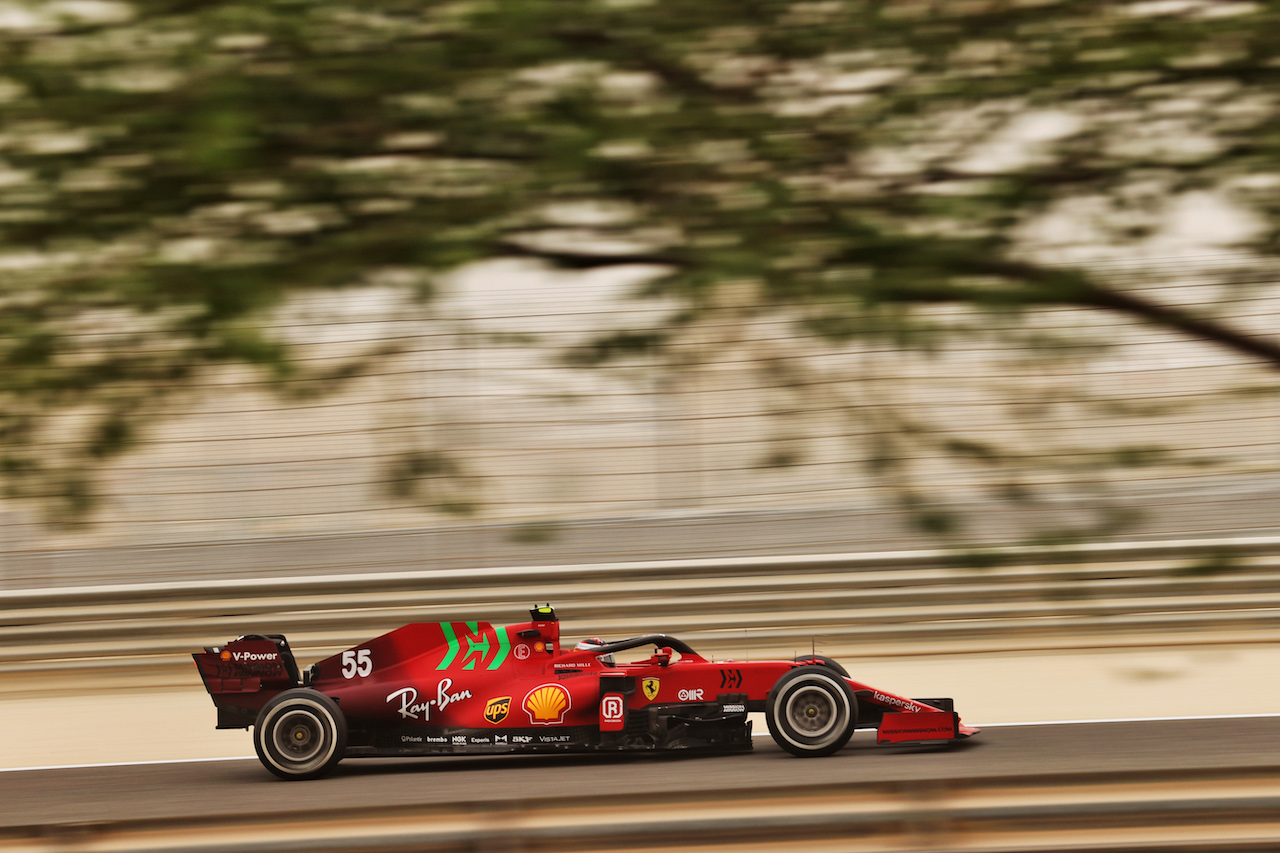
300, 734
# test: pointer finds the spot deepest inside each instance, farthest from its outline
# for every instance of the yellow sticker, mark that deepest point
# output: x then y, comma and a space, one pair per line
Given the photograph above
496, 710
546, 704
651, 687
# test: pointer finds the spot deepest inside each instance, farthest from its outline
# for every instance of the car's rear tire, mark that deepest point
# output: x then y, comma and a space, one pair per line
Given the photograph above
300, 734
825, 661
811, 711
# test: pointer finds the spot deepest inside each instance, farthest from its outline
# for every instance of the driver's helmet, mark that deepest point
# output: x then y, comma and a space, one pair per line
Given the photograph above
595, 643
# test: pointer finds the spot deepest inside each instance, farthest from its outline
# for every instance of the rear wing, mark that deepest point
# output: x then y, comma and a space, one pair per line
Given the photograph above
244, 674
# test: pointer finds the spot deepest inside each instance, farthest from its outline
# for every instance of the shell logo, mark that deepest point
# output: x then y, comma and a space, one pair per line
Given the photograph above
547, 704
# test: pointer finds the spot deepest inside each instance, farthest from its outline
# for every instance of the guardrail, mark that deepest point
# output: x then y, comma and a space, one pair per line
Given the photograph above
1066, 597
1219, 810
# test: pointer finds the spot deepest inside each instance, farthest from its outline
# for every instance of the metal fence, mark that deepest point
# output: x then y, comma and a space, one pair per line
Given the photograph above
1107, 596
528, 396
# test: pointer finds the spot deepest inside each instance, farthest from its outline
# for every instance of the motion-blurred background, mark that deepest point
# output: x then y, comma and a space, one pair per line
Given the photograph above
983, 291
966, 272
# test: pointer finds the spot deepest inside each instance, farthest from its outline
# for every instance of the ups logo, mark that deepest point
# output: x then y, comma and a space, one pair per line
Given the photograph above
497, 709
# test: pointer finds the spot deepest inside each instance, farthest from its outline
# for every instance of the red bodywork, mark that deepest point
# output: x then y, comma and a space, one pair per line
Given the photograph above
471, 687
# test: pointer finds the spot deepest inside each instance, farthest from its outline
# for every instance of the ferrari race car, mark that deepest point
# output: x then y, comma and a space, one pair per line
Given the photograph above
467, 688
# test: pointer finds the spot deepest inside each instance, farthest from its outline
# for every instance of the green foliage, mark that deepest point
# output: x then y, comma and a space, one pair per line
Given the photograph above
1139, 457
785, 457
535, 532
74, 497
188, 165
33, 349
430, 479
1216, 562
929, 518
405, 472
615, 346
110, 437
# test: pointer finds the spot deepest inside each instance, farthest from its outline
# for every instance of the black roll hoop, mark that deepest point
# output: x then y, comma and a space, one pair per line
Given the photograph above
659, 640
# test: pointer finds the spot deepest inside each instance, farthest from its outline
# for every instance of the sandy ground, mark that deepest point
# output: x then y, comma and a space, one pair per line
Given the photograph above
177, 724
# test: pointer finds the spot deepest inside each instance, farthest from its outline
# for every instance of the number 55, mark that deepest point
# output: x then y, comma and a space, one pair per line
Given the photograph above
356, 663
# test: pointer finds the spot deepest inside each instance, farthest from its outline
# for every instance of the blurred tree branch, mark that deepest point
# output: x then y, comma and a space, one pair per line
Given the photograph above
181, 166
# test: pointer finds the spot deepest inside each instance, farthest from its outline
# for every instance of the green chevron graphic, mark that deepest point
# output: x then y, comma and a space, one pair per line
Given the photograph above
479, 644
504, 646
452, 639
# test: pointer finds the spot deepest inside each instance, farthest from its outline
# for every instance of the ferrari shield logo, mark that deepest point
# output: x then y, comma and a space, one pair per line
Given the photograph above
651, 686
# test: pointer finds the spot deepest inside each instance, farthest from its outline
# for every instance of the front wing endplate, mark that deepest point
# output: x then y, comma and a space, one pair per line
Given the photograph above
913, 727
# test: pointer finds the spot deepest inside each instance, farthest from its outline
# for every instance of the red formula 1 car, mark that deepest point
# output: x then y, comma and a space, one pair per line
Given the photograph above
466, 688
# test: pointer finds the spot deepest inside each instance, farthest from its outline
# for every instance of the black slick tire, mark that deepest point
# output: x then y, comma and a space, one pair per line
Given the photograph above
300, 734
811, 711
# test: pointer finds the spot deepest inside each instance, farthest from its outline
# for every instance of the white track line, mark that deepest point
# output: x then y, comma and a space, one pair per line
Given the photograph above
128, 763
1128, 720
756, 734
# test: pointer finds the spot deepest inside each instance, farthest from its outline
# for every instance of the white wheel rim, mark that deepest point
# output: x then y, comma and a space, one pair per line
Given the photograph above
793, 699
810, 711
283, 722
298, 735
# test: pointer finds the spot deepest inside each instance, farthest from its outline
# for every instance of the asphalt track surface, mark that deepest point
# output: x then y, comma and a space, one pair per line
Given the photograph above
243, 787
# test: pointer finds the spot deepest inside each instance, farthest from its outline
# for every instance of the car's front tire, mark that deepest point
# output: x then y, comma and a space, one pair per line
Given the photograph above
300, 734
811, 711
